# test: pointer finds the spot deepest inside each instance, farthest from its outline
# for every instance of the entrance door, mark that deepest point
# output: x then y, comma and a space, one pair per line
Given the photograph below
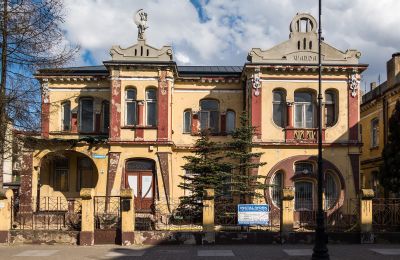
141, 181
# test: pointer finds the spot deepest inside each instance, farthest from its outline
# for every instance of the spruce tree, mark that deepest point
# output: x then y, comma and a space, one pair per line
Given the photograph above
244, 185
204, 169
390, 171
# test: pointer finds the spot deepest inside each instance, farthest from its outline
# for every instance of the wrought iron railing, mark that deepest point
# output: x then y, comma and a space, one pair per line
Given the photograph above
386, 214
107, 212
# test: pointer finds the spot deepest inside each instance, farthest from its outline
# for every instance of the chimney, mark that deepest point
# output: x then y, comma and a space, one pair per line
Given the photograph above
393, 70
372, 85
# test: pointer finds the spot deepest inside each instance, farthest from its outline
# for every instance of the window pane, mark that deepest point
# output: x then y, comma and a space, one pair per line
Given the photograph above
330, 115
131, 94
147, 188
214, 121
106, 116
303, 196
133, 184
138, 165
277, 183
151, 113
66, 116
309, 115
302, 97
209, 105
230, 121
331, 191
204, 120
131, 113
279, 114
329, 97
151, 94
87, 116
304, 168
298, 116
187, 122
278, 96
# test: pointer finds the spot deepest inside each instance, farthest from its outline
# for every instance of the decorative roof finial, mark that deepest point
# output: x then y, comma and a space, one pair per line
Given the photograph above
141, 22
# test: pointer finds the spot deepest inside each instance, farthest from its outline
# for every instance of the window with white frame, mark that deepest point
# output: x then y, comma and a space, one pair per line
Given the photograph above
151, 107
130, 107
105, 116
66, 116
303, 110
276, 188
374, 132
230, 121
330, 108
187, 121
209, 115
86, 115
279, 108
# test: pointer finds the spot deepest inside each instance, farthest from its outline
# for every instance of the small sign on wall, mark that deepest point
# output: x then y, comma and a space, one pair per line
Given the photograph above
253, 214
99, 156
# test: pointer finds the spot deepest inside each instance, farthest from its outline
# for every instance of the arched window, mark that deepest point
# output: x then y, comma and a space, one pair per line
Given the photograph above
276, 188
187, 121
230, 121
330, 108
130, 107
151, 107
209, 115
66, 116
86, 115
331, 191
303, 110
303, 168
303, 195
278, 110
105, 111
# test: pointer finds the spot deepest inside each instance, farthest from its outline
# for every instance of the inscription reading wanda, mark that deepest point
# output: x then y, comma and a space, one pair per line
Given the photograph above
305, 57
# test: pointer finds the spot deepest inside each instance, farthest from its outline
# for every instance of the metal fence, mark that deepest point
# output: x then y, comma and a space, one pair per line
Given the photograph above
107, 212
386, 214
47, 213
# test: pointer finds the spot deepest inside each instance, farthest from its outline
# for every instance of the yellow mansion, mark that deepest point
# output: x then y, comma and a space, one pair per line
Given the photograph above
129, 122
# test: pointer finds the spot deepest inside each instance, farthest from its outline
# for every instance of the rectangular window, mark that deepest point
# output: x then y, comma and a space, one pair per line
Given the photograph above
106, 116
66, 116
187, 121
61, 170
130, 107
374, 132
303, 200
304, 116
86, 115
151, 110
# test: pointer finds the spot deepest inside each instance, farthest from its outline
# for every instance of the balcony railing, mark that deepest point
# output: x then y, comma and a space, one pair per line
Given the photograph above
302, 135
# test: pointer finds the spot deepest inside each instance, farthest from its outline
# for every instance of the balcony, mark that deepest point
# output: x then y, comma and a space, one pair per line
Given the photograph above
303, 135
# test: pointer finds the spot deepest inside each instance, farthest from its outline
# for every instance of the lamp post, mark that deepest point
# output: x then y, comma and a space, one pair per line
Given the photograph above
320, 251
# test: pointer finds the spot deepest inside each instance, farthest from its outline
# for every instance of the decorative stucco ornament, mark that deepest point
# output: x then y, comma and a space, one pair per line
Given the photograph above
141, 22
45, 92
163, 82
256, 82
353, 85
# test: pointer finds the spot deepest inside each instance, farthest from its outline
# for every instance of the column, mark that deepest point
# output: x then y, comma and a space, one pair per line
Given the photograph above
163, 106
86, 236
127, 217
5, 215
289, 108
366, 197
287, 212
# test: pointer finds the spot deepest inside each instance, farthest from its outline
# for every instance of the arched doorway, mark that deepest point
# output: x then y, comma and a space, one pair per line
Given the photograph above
139, 176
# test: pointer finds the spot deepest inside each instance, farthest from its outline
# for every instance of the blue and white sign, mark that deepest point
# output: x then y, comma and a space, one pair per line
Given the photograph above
99, 156
253, 214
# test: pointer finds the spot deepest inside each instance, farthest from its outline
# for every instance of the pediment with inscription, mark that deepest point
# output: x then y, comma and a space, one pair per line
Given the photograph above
302, 47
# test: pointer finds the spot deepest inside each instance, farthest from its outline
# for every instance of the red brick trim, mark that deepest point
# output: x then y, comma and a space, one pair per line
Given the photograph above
115, 122
45, 120
195, 124
113, 160
256, 112
139, 132
164, 167
163, 106
74, 122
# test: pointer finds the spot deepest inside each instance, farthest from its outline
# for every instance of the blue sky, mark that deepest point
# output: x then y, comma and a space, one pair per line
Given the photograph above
221, 32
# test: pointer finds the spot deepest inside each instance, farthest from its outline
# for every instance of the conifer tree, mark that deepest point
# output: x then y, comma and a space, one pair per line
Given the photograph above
244, 184
390, 171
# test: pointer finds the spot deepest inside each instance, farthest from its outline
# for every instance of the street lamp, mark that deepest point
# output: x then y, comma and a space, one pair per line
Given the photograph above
320, 251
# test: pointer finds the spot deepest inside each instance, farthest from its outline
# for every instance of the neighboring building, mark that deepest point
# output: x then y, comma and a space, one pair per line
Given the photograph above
376, 108
130, 122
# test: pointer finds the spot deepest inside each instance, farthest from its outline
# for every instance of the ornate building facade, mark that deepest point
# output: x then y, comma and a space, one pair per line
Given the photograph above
131, 121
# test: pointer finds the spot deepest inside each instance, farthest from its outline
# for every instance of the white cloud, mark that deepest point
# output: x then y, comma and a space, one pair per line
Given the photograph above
234, 27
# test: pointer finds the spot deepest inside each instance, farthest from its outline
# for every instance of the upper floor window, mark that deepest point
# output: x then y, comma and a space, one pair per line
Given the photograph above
151, 107
187, 121
130, 107
106, 116
303, 168
230, 121
375, 132
66, 116
303, 110
86, 115
209, 115
330, 108
279, 111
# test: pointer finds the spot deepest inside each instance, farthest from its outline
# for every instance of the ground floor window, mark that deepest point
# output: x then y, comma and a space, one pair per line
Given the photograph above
303, 198
276, 189
61, 172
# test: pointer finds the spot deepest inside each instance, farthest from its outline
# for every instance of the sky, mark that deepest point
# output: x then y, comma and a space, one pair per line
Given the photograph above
221, 32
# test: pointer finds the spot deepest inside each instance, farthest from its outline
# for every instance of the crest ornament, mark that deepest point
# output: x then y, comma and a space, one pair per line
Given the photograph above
163, 82
141, 22
45, 92
353, 85
255, 82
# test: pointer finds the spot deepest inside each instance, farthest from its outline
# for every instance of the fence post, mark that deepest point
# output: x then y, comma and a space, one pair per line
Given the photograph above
366, 197
86, 236
5, 215
287, 212
208, 216
127, 217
